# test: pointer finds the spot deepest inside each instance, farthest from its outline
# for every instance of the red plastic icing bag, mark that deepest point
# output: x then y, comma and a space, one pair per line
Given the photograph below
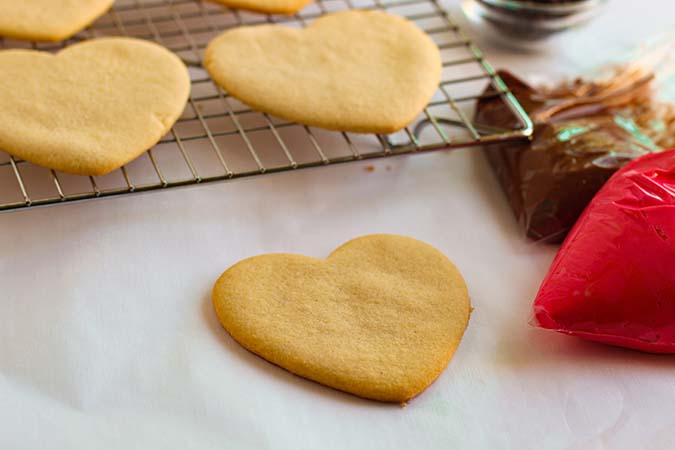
613, 280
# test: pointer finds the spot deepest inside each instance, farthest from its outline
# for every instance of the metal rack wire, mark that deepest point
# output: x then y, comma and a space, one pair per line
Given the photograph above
218, 138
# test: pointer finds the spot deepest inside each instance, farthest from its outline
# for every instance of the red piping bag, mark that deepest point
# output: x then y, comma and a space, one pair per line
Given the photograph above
613, 280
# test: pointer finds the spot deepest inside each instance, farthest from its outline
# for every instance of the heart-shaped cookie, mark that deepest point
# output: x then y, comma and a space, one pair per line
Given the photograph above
380, 318
48, 20
613, 279
266, 6
92, 107
360, 71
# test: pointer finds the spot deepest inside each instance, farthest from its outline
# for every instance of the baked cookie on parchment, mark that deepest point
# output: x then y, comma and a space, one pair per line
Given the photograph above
380, 318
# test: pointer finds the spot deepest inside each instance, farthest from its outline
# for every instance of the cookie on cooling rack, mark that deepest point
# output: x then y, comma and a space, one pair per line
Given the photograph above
266, 6
380, 318
360, 71
48, 20
92, 107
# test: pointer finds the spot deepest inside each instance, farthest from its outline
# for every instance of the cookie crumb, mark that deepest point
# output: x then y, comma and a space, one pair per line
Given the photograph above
370, 168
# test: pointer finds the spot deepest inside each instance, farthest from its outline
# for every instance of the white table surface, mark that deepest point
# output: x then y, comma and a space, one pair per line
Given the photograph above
108, 339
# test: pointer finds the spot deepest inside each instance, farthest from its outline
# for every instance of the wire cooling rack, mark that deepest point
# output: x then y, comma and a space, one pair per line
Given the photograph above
218, 138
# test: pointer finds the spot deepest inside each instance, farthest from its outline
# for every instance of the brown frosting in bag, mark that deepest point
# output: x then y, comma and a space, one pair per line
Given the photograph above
583, 133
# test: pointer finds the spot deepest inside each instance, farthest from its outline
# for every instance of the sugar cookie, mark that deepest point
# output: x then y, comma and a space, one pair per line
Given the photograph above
360, 71
48, 20
380, 318
266, 6
92, 107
